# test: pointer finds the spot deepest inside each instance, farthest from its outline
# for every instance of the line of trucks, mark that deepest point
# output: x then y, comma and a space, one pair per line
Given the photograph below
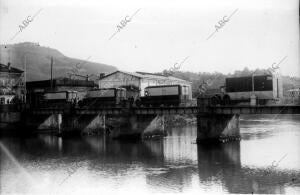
264, 88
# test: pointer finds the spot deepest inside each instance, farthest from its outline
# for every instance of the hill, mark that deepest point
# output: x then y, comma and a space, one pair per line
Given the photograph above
39, 59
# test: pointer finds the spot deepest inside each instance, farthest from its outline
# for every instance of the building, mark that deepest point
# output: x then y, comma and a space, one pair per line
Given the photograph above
36, 89
138, 81
12, 88
294, 94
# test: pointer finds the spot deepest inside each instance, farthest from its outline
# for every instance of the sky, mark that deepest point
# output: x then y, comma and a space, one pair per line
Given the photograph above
160, 33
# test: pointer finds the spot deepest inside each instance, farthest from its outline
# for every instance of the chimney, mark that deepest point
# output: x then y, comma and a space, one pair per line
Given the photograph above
102, 75
8, 65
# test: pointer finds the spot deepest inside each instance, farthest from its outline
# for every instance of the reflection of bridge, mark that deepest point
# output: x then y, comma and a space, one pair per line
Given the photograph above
215, 163
214, 122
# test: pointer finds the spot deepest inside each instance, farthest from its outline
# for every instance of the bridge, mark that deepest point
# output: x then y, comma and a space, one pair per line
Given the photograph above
214, 122
233, 109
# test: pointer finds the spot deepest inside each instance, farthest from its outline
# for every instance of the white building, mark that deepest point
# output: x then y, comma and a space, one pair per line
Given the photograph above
140, 80
295, 95
12, 87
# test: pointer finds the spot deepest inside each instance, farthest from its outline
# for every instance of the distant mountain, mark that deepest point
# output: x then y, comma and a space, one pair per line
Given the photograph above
39, 59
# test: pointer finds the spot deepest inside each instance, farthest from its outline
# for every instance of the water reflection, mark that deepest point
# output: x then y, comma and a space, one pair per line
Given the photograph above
174, 164
223, 163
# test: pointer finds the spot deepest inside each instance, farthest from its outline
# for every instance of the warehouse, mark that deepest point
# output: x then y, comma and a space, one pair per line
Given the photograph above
11, 84
140, 80
36, 89
294, 95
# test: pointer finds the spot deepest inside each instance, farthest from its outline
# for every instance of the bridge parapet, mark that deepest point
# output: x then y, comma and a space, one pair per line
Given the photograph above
272, 109
166, 110
205, 107
47, 111
110, 111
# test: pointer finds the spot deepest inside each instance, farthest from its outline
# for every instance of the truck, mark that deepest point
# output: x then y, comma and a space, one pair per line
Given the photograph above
165, 95
266, 89
104, 97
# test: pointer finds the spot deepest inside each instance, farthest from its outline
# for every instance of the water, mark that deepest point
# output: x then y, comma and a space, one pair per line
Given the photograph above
266, 160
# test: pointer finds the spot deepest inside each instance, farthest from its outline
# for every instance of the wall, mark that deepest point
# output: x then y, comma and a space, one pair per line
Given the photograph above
119, 79
8, 81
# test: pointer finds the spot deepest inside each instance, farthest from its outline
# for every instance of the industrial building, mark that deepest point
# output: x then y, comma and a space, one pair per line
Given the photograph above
36, 89
294, 94
138, 81
12, 88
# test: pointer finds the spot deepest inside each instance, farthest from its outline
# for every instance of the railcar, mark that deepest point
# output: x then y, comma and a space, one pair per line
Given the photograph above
58, 98
265, 88
103, 97
165, 95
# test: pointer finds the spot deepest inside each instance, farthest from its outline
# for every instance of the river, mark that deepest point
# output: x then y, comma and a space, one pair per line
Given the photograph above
266, 160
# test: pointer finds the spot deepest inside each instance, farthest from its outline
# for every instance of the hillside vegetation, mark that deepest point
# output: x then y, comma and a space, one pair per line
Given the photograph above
39, 59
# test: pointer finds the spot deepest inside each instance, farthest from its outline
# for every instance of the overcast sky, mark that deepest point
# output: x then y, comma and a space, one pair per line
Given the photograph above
162, 32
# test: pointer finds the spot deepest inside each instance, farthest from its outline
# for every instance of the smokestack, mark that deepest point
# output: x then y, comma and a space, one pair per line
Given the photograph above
8, 65
51, 78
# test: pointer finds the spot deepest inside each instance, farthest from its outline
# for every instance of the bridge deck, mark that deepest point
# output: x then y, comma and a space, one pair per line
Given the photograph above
167, 110
276, 109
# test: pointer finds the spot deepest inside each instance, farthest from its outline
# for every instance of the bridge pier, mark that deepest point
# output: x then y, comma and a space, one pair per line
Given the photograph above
65, 124
83, 124
95, 125
217, 127
138, 127
52, 121
212, 127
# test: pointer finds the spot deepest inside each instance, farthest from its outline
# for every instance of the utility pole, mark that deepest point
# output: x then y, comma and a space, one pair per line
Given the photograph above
25, 90
8, 66
252, 82
9, 53
9, 81
51, 78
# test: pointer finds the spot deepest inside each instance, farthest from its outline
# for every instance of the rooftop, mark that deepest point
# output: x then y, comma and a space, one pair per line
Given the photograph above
146, 75
5, 68
60, 82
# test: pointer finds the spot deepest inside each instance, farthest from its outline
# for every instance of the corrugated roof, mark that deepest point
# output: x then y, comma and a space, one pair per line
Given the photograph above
148, 73
129, 73
162, 77
148, 76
